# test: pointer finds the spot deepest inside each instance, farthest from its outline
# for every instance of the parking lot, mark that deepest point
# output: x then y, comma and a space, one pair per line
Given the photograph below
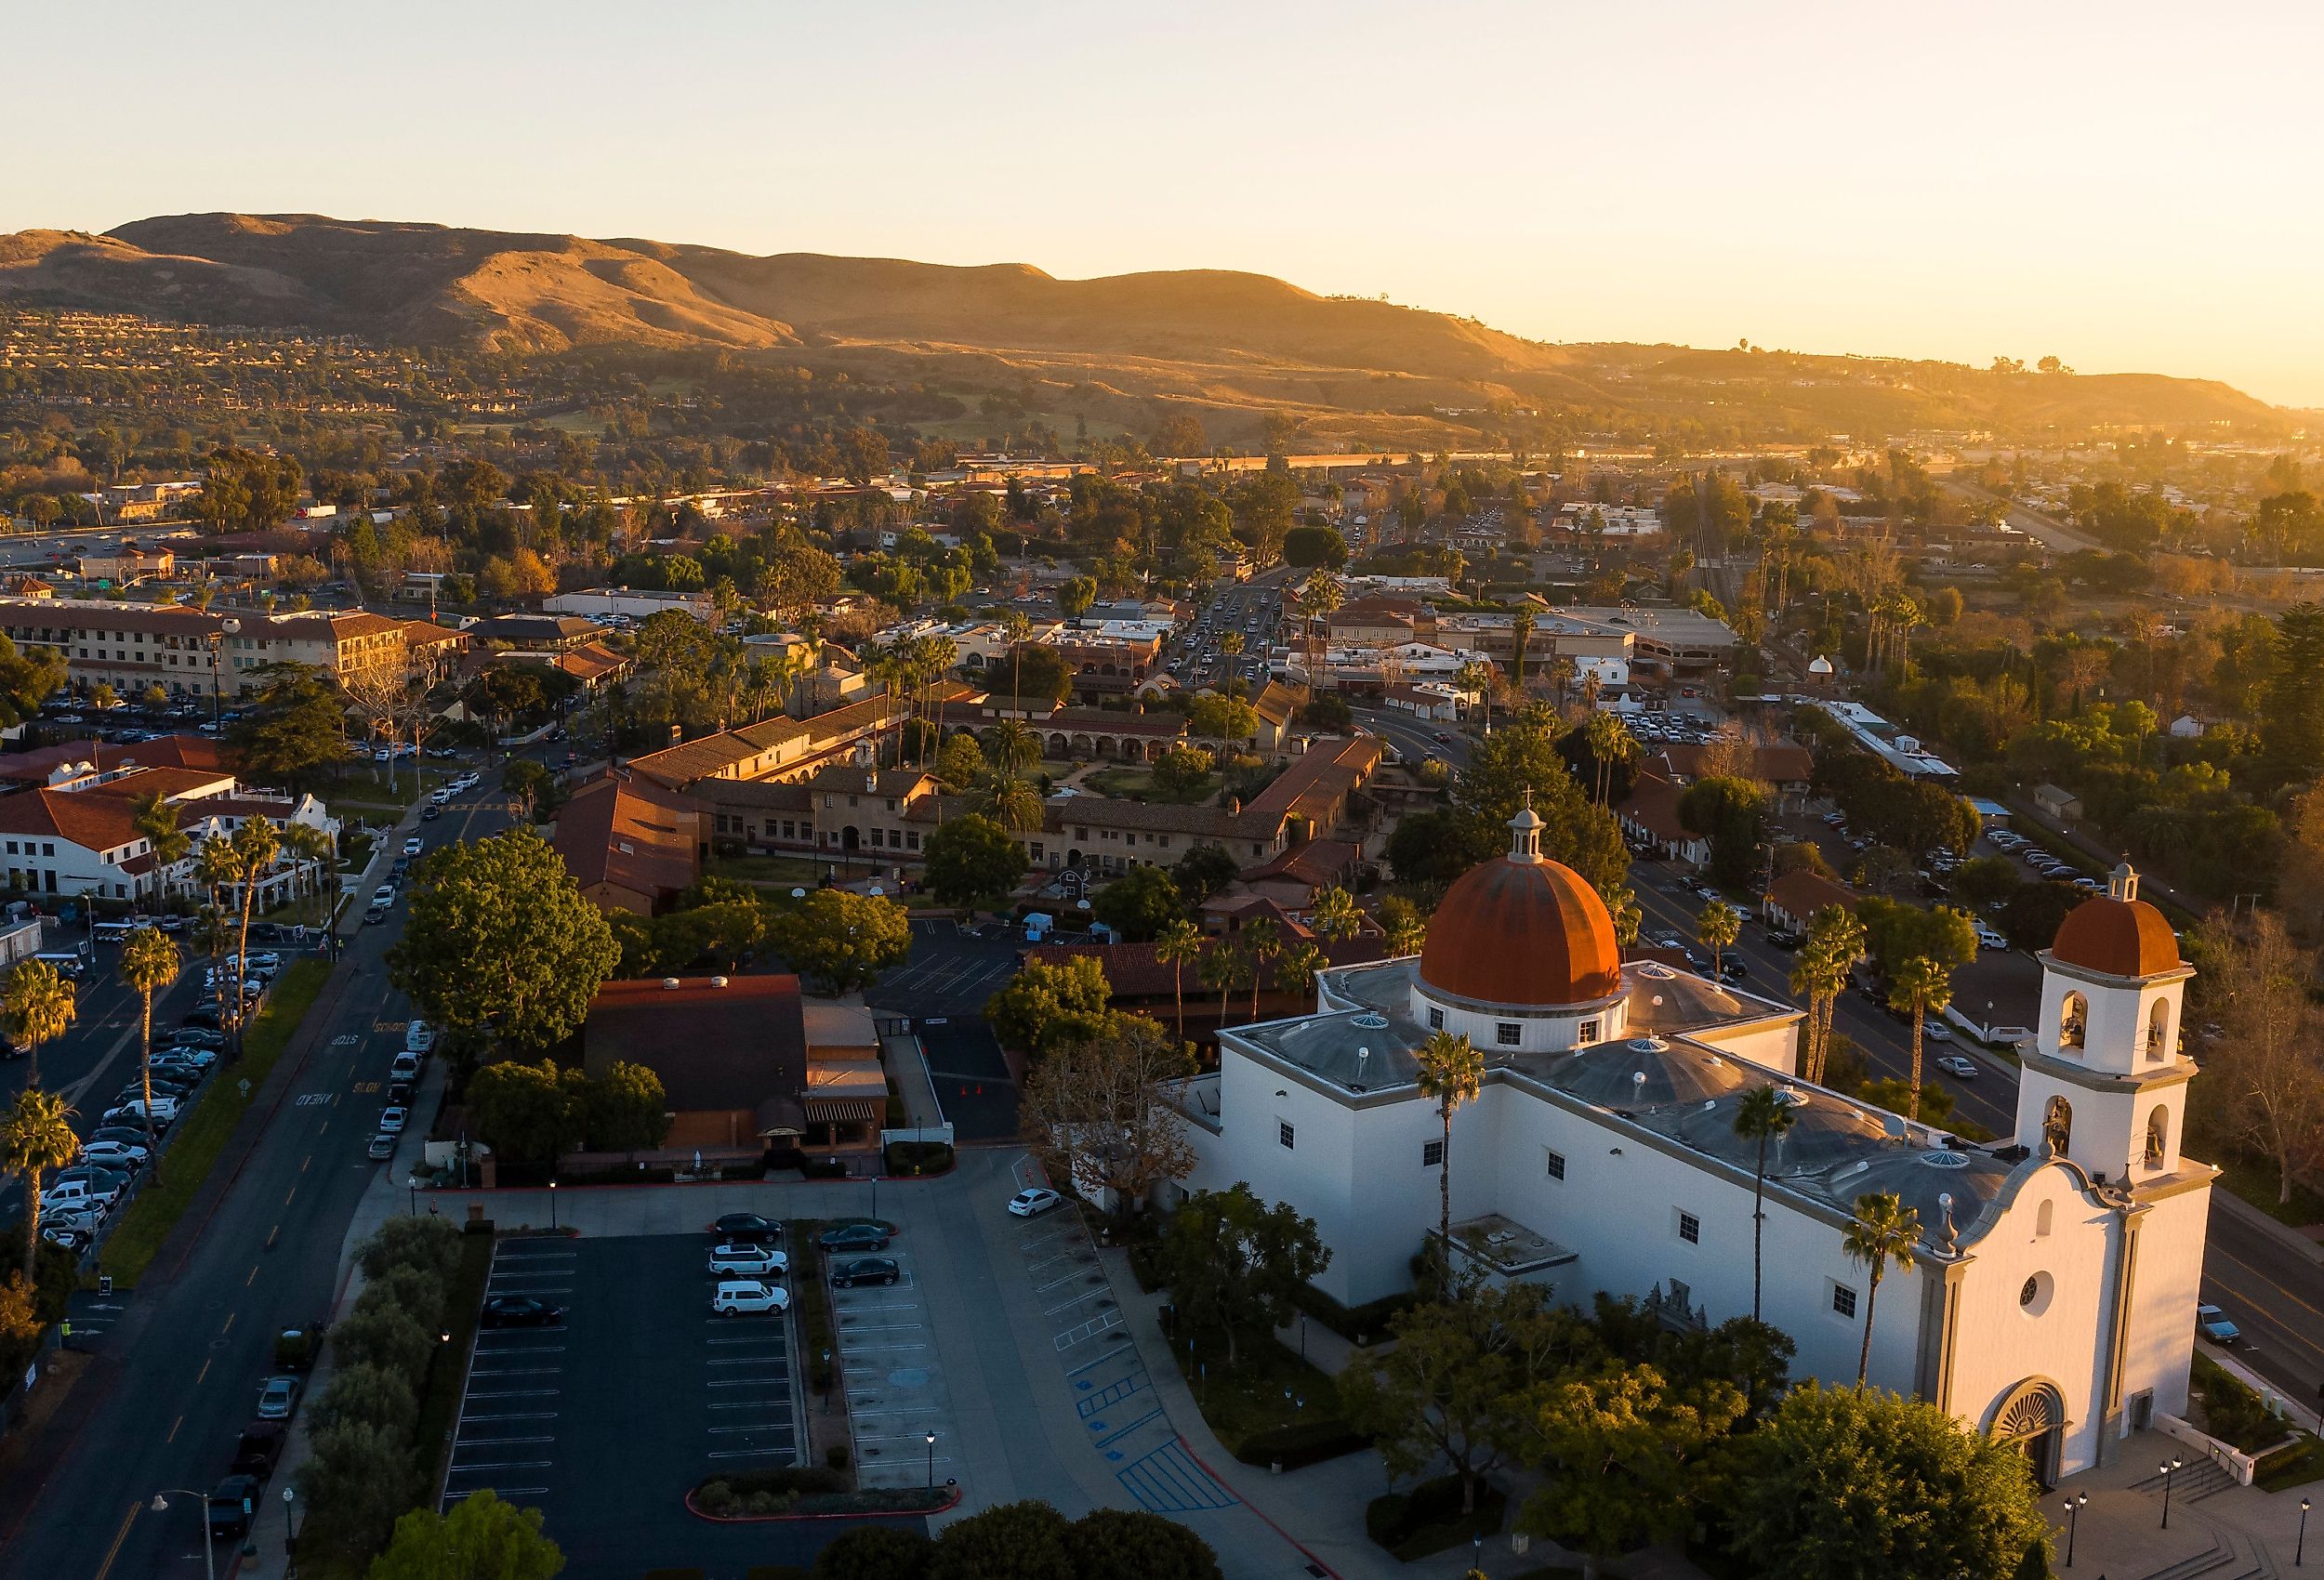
970, 1077
949, 971
895, 1382
607, 1419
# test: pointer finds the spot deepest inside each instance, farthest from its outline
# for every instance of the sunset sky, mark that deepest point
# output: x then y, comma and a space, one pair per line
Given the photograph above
2127, 186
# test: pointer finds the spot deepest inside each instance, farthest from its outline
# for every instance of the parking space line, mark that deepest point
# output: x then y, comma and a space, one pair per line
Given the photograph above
505, 1465
1076, 1300
502, 1492
513, 1415
748, 1453
519, 1371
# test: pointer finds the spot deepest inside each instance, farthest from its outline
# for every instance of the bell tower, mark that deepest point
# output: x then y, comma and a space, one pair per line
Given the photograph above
2106, 1084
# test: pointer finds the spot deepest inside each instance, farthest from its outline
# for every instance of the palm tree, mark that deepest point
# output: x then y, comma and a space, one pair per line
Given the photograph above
156, 820
1761, 1116
1231, 647
1013, 745
1264, 940
311, 846
1921, 984
1520, 632
1478, 678
36, 1136
1611, 745
1017, 625
1407, 929
150, 962
1452, 1072
1718, 927
1336, 913
1223, 968
37, 1004
1297, 970
1180, 943
1008, 800
1884, 1231
1836, 940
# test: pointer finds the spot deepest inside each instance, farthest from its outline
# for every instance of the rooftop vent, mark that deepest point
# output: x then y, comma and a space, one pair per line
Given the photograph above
1648, 1045
1655, 970
1944, 1160
1370, 1019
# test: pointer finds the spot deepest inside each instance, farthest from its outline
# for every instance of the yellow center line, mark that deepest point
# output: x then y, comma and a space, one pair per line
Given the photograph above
173, 1429
230, 1323
119, 1537
2269, 1282
203, 1373
253, 1278
292, 1197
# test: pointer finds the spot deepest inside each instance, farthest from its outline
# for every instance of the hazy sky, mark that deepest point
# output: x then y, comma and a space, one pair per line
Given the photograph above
2125, 185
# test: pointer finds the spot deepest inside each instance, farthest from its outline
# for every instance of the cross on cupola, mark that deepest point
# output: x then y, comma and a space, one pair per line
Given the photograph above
1524, 832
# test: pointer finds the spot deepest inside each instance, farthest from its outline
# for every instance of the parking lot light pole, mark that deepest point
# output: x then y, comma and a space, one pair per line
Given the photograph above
2300, 1549
201, 1507
552, 1204
2073, 1521
932, 1462
290, 1522
2175, 1463
826, 1380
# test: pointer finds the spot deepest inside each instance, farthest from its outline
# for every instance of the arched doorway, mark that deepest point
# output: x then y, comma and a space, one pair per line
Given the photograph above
2031, 1419
849, 839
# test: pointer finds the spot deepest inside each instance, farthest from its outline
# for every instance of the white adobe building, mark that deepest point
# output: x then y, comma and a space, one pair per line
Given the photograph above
2051, 1300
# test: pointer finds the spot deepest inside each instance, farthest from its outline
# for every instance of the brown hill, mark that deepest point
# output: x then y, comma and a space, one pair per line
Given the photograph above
1232, 344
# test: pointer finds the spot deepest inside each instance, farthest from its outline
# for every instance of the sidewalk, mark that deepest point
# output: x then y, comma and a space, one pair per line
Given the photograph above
906, 1063
2226, 1531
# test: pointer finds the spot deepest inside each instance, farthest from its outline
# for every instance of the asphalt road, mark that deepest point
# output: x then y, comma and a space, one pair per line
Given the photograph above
1415, 741
2052, 535
175, 1377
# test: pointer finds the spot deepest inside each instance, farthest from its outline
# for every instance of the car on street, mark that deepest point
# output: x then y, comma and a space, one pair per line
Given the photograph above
1991, 938
431, 812
1781, 938
518, 1311
1732, 969
258, 1449
233, 1503
415, 846
747, 1226
864, 1270
1936, 1030
383, 895
277, 1398
200, 1056
404, 1066
392, 1121
376, 916
380, 1146
200, 1036
749, 1259
199, 1020
855, 1237
164, 1108
743, 1296
1959, 1066
1033, 1201
419, 1036
134, 1135
2213, 1324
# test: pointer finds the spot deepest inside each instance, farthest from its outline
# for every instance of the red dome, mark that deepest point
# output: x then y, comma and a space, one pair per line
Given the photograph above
2121, 938
1522, 932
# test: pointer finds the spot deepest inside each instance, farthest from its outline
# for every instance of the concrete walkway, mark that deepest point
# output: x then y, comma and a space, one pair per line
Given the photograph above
2217, 1529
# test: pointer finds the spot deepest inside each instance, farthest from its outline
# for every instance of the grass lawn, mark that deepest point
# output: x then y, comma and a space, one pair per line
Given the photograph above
202, 1135
793, 872
812, 1301
1248, 1396
1137, 784
447, 1369
2293, 1467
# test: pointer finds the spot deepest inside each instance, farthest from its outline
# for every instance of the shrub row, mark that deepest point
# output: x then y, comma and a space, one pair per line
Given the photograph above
1302, 1443
1428, 1518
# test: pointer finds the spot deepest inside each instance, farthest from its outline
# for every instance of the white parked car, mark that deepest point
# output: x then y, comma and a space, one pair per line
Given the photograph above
419, 1036
392, 1121
1990, 937
1958, 1066
1034, 1201
752, 1261
383, 895
1936, 1030
164, 1109
736, 1296
114, 1154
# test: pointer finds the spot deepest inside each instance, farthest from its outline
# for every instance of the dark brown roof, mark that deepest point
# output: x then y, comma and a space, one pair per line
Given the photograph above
170, 751
1653, 806
1317, 862
718, 1049
2121, 938
1804, 893
633, 836
1532, 933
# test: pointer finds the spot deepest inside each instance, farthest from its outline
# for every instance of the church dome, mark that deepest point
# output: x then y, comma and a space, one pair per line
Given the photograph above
1523, 932
2117, 933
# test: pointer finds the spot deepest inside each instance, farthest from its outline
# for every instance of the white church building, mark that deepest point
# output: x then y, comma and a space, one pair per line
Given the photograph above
2051, 1300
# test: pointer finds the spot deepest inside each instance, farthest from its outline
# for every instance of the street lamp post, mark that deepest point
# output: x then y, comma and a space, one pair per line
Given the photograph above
826, 1380
932, 1462
2073, 1521
2300, 1549
552, 1204
2176, 1463
201, 1507
290, 1522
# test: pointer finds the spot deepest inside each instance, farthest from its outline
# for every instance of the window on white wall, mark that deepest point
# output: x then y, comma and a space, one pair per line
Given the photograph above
1556, 1164
1283, 1133
1585, 1032
1509, 1033
2045, 1215
1432, 1155
1843, 1300
1690, 1229
1436, 1019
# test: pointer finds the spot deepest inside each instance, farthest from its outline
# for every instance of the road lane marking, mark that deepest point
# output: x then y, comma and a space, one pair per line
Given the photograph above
200, 1375
292, 1197
2269, 1282
311, 1158
230, 1323
253, 1278
119, 1537
173, 1429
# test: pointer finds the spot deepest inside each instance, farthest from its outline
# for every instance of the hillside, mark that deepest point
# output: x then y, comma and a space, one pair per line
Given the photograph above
1116, 349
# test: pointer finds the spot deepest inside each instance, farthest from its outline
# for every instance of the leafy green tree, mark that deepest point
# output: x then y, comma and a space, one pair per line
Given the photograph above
844, 940
1076, 596
430, 1243
1838, 1484
1045, 1006
1222, 718
29, 676
961, 761
380, 1333
1131, 1544
1630, 1453
527, 1113
1403, 924
1732, 813
1463, 1383
1025, 1541
1008, 801
1182, 770
626, 1109
1232, 1262
972, 860
1202, 872
2291, 719
369, 1392
1139, 903
481, 1538
533, 786
295, 734
1520, 758
1315, 546
501, 940
356, 1482
875, 1552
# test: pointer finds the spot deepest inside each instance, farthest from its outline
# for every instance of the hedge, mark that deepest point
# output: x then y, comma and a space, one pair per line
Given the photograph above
918, 1157
1302, 1443
1428, 1518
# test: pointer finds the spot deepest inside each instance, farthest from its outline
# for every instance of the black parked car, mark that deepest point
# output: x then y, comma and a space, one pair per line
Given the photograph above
518, 1311
202, 1019
1732, 969
864, 1270
233, 1503
855, 1237
747, 1226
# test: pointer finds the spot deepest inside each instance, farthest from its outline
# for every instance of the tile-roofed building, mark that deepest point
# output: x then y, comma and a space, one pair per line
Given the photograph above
630, 844
731, 1053
1785, 765
36, 765
1793, 900
539, 632
1650, 816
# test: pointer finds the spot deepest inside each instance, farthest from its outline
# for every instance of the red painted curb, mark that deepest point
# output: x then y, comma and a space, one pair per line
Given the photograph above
1296, 1545
950, 1503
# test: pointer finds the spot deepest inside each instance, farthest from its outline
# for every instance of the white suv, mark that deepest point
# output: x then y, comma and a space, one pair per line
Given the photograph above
737, 1296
